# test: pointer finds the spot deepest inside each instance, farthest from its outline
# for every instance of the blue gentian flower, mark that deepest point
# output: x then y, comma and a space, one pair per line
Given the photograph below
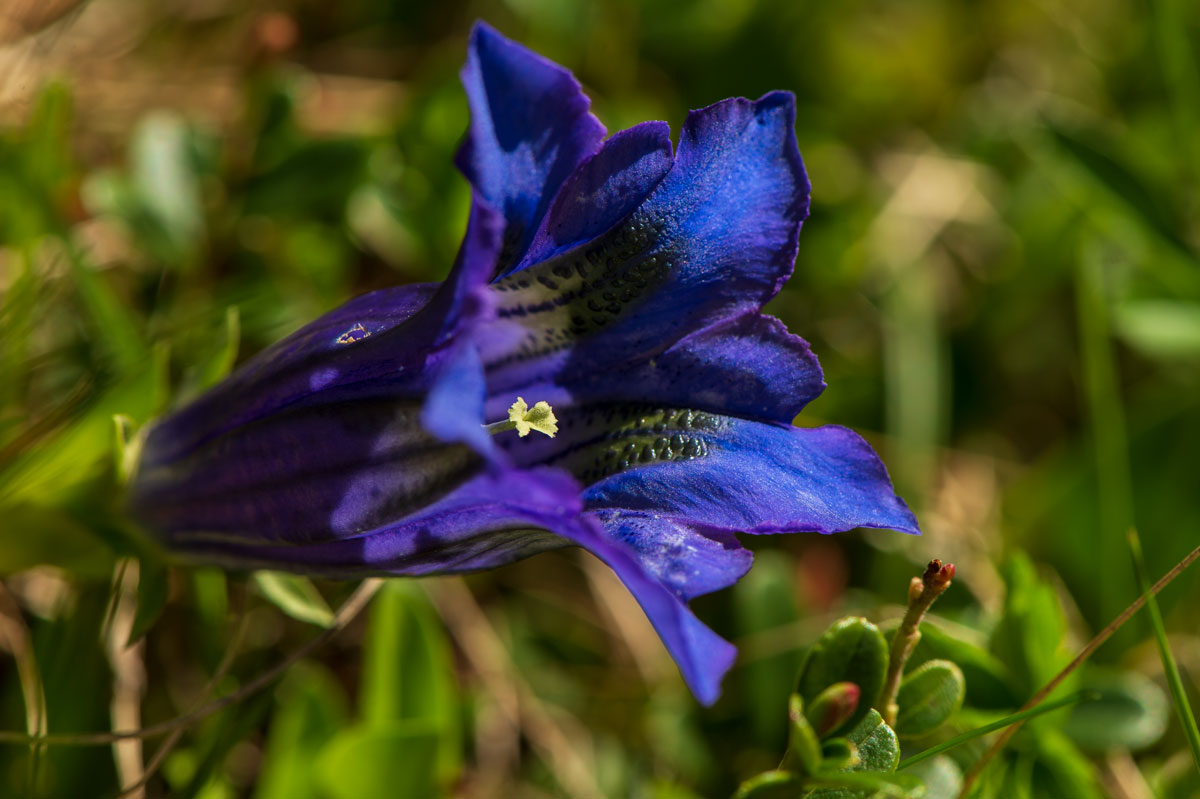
617, 280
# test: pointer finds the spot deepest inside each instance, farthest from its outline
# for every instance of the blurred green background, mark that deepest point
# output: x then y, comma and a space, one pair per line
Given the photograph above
1001, 276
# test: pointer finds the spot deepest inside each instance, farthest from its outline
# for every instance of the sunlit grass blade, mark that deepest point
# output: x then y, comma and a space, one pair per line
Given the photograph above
995, 725
1186, 717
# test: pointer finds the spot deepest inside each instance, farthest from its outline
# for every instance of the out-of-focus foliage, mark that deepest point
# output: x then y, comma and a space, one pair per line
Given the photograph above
1001, 276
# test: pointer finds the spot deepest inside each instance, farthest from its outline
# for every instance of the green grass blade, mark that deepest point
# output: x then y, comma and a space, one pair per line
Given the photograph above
995, 725
1186, 717
1106, 420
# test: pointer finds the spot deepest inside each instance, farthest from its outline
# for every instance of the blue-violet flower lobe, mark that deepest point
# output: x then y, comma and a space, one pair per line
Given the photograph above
618, 280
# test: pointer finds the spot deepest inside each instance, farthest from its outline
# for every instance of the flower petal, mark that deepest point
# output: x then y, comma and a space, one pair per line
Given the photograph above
286, 477
750, 476
733, 203
689, 559
748, 366
304, 363
703, 656
714, 239
530, 127
488, 520
603, 190
721, 472
453, 410
389, 343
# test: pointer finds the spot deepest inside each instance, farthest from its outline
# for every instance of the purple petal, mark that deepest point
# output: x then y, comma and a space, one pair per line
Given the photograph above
488, 520
386, 344
748, 366
313, 358
703, 656
604, 189
714, 239
463, 300
285, 477
271, 453
720, 472
756, 477
689, 559
453, 411
733, 204
530, 127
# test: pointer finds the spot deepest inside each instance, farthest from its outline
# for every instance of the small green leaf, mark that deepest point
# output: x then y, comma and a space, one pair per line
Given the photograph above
1129, 711
1161, 328
928, 697
942, 777
859, 785
152, 591
776, 784
804, 749
381, 762
851, 650
989, 682
877, 745
838, 754
127, 447
878, 753
296, 596
221, 362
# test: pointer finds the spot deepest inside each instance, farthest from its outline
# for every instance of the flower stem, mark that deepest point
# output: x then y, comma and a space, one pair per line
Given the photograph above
502, 426
922, 592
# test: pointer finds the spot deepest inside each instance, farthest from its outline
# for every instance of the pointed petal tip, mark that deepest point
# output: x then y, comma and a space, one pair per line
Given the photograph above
706, 685
779, 98
490, 50
484, 35
481, 28
530, 126
781, 106
903, 522
911, 526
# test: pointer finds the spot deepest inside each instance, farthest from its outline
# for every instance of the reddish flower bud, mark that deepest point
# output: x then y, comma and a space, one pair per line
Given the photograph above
833, 707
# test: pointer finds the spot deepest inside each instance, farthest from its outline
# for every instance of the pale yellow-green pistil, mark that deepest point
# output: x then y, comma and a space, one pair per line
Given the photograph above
523, 419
